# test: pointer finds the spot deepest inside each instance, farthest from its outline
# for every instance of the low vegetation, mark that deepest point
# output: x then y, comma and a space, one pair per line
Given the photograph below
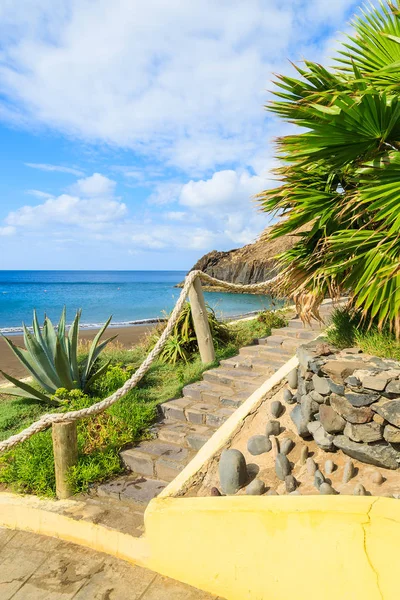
29, 467
348, 328
51, 358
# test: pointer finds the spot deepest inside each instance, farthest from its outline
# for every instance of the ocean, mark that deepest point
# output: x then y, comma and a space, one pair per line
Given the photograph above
130, 296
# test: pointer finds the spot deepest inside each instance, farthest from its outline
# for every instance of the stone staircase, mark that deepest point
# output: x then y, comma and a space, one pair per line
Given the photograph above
186, 423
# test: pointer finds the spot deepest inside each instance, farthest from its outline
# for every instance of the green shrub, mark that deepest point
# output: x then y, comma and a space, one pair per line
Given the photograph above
182, 343
243, 333
343, 326
348, 328
379, 343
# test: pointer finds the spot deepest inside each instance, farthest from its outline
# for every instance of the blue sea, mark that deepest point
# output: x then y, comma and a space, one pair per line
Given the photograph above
130, 296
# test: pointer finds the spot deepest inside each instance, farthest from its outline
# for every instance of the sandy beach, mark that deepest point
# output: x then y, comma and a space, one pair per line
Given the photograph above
127, 336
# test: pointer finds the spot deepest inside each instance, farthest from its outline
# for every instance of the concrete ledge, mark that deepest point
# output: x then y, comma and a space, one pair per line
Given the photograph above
28, 513
264, 548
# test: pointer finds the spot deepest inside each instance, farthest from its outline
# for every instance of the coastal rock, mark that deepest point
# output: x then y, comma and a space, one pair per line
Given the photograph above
317, 397
288, 397
308, 407
290, 484
358, 400
389, 410
353, 415
258, 444
336, 388
366, 432
276, 408
319, 479
348, 471
339, 370
311, 466
272, 428
359, 490
329, 467
282, 467
232, 471
321, 437
331, 421
321, 385
391, 434
393, 389
376, 383
299, 421
377, 478
255, 488
326, 489
292, 379
286, 445
303, 455
250, 264
378, 454
353, 381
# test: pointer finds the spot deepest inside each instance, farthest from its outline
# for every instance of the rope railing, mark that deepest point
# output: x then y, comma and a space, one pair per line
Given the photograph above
49, 420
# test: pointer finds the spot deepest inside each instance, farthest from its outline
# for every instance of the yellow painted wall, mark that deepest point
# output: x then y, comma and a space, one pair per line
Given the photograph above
279, 548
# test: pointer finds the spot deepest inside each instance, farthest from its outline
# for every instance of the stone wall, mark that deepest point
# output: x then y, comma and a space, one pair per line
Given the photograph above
347, 400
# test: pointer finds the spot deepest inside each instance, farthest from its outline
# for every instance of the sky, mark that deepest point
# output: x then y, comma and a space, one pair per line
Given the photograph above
134, 134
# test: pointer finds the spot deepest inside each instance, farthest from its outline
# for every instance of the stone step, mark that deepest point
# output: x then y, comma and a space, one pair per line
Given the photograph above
157, 459
236, 400
184, 434
203, 413
203, 390
230, 376
301, 334
132, 488
263, 351
298, 324
277, 341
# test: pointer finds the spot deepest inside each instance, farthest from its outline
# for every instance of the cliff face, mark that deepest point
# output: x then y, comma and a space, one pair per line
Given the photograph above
251, 264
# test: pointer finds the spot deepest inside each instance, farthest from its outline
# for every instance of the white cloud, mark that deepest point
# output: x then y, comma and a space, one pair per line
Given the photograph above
94, 186
225, 189
39, 194
176, 215
92, 206
181, 82
57, 168
8, 230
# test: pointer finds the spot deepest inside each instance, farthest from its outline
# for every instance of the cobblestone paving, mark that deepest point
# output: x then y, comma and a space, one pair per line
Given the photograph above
35, 567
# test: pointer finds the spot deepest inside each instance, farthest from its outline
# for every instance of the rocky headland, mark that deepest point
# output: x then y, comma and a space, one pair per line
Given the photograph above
252, 263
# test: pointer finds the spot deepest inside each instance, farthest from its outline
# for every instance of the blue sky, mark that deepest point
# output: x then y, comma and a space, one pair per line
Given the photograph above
133, 134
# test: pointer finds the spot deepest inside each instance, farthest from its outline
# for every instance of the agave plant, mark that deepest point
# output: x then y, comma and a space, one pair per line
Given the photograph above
182, 343
51, 358
340, 173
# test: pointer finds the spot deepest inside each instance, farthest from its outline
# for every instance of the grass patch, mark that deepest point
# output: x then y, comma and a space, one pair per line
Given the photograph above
29, 466
348, 329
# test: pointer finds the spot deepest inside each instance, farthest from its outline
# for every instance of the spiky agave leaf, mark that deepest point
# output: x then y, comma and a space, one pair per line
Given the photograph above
25, 390
52, 359
88, 366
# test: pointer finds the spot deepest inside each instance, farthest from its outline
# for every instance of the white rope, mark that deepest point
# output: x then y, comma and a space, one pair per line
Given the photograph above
47, 420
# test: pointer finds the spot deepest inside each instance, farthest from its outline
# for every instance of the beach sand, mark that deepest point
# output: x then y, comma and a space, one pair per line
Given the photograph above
127, 336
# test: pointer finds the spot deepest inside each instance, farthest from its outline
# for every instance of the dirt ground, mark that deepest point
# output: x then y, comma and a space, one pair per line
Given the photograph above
263, 465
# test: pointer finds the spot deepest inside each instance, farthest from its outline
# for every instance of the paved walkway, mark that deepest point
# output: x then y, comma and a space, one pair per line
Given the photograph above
35, 567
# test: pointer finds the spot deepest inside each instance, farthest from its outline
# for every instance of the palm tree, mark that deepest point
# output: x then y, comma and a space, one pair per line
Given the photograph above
340, 175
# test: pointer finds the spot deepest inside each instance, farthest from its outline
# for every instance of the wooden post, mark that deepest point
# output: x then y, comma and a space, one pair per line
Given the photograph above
65, 448
200, 320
